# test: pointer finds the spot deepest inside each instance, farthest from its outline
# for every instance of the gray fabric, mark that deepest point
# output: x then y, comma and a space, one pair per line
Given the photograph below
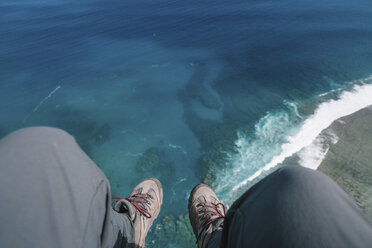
215, 239
53, 195
295, 207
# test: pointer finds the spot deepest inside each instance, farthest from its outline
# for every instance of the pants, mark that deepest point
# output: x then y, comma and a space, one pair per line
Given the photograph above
53, 195
294, 207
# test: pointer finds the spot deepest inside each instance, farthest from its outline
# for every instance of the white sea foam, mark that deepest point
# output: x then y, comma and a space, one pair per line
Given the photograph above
348, 102
312, 155
253, 153
293, 107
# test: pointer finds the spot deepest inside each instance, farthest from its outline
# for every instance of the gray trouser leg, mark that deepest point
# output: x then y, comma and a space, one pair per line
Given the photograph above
53, 195
215, 239
294, 207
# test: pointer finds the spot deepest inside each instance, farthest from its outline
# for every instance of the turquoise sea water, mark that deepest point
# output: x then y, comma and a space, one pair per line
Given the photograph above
170, 88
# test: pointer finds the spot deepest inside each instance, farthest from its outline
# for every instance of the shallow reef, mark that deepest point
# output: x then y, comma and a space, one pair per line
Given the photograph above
155, 163
173, 231
150, 160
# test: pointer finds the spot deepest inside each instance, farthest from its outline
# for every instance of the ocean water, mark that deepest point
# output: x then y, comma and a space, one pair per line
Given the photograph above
181, 90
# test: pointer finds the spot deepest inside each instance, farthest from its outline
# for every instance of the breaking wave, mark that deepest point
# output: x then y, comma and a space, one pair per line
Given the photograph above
282, 134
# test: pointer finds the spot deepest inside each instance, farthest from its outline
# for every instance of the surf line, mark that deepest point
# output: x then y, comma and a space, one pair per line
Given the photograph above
326, 113
41, 102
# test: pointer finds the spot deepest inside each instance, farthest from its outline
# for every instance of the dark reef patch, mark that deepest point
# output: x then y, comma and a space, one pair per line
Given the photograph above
150, 160
154, 162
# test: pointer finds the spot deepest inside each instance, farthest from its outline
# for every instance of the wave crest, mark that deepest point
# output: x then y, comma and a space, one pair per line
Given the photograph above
277, 137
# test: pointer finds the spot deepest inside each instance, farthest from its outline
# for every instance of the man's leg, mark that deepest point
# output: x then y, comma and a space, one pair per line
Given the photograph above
294, 207
53, 195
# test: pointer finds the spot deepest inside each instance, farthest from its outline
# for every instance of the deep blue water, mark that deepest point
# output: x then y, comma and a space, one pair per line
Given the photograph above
112, 73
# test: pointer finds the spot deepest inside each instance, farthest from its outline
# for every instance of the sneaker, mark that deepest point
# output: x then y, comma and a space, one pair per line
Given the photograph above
206, 213
142, 206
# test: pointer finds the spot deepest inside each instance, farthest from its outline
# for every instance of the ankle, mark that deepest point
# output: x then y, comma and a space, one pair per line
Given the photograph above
123, 206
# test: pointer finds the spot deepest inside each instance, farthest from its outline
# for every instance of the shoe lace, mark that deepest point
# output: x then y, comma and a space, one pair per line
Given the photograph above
210, 214
140, 201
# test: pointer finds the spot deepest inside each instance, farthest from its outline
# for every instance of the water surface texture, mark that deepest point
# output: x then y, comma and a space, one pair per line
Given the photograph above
185, 91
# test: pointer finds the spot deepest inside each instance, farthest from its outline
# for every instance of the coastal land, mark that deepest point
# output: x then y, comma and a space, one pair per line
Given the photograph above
349, 161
